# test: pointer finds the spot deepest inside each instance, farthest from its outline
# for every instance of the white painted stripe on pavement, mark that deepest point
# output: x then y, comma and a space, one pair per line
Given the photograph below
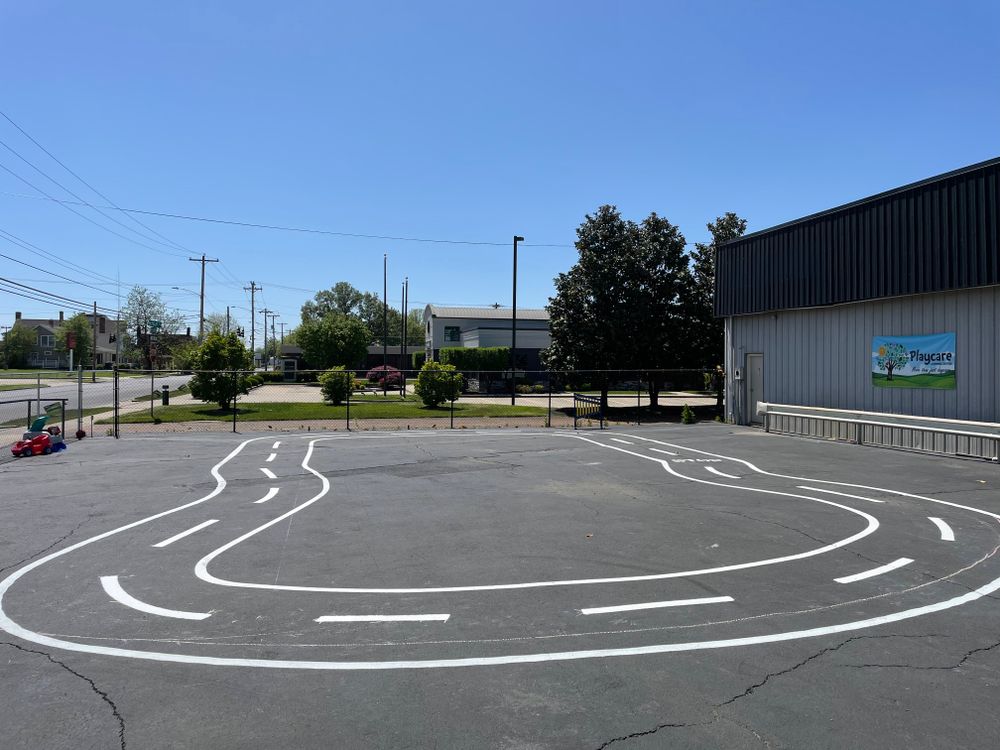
619, 440
183, 534
270, 458
721, 473
116, 592
270, 493
276, 444
657, 605
947, 535
875, 571
269, 474
660, 450
383, 618
842, 494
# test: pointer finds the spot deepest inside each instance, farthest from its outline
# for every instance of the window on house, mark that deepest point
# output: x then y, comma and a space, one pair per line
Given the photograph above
101, 323
46, 340
452, 333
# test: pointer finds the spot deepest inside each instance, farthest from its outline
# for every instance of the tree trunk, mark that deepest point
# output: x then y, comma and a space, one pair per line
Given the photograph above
654, 393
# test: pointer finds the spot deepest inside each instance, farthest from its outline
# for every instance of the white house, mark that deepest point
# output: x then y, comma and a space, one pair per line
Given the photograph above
474, 327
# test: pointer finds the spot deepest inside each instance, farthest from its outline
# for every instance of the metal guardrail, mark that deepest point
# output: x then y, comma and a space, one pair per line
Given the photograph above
988, 432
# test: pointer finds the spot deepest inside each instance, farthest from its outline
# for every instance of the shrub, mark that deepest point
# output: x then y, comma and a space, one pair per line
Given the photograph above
538, 388
216, 359
438, 383
385, 375
336, 384
523, 388
417, 359
687, 415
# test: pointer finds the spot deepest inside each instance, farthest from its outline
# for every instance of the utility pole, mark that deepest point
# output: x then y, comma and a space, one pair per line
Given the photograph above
264, 312
282, 324
385, 323
513, 328
253, 289
402, 341
93, 346
227, 320
201, 312
273, 337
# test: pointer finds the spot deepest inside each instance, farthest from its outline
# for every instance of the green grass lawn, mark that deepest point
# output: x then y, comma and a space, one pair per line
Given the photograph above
923, 380
19, 387
283, 412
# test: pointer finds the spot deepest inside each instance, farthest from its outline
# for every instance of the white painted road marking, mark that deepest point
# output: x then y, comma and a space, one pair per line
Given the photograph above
383, 618
276, 444
875, 571
660, 450
721, 473
947, 535
269, 474
842, 494
619, 440
116, 592
657, 605
183, 534
270, 458
270, 493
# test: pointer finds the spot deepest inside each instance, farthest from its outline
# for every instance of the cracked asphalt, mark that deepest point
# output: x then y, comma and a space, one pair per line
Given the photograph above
513, 534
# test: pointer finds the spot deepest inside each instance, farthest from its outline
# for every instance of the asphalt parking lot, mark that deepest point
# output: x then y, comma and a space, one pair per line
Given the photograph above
676, 586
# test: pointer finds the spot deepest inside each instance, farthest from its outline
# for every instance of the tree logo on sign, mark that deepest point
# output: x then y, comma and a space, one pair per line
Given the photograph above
891, 357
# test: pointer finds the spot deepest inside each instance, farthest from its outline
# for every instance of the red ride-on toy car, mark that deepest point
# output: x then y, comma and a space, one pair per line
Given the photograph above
38, 440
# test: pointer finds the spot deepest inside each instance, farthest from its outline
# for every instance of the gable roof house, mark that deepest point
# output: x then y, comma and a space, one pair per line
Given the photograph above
44, 353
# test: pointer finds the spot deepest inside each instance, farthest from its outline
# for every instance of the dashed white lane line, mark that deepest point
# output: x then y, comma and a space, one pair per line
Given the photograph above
270, 493
276, 444
842, 494
660, 450
268, 473
875, 571
947, 535
270, 458
656, 605
619, 440
721, 473
383, 618
183, 534
116, 592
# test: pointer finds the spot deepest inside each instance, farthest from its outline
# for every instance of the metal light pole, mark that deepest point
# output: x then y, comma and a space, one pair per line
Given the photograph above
513, 327
385, 323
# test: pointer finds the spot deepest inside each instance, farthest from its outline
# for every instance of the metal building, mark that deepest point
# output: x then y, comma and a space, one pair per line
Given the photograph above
889, 305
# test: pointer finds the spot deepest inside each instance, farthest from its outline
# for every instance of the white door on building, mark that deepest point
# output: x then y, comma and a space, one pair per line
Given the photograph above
755, 385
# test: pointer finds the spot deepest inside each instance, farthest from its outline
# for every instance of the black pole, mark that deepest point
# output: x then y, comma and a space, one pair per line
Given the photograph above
513, 326
385, 322
406, 325
402, 336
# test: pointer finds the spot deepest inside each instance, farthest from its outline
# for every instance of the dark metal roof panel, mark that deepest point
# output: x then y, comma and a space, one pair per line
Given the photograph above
935, 235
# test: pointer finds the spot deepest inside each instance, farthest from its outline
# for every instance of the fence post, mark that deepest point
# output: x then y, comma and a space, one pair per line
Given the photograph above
236, 387
79, 400
62, 417
638, 400
115, 394
451, 420
548, 417
152, 391
350, 392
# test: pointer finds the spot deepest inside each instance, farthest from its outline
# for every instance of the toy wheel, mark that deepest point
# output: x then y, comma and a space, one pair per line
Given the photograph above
46, 450
26, 453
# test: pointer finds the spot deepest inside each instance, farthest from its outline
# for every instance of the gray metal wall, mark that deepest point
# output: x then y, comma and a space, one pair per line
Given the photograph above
822, 356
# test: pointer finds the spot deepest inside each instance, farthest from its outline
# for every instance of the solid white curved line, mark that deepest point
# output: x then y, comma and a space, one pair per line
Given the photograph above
270, 493
383, 618
662, 648
722, 473
120, 595
183, 534
875, 571
947, 535
753, 467
656, 605
842, 494
268, 473
201, 567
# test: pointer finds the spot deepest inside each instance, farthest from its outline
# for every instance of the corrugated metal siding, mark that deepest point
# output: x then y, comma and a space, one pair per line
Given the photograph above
821, 356
942, 234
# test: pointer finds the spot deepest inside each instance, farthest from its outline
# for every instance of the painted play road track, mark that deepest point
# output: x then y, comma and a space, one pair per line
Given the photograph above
153, 576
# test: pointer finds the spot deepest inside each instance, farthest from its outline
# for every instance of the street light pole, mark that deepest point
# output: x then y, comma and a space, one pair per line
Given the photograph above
385, 323
513, 327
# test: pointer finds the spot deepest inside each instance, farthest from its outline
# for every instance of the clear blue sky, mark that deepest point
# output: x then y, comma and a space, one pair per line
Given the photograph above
462, 121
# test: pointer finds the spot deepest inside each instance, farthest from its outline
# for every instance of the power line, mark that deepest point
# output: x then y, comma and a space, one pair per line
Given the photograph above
94, 189
26, 245
284, 228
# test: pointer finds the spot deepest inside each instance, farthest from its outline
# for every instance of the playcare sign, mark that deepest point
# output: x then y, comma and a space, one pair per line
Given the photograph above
914, 361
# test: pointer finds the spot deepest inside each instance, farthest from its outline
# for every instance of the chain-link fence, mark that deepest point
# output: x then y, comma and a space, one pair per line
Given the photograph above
391, 399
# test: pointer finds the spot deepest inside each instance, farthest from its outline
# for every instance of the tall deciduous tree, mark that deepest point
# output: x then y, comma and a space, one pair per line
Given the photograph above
706, 336
336, 339
142, 306
620, 306
17, 345
78, 330
223, 365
